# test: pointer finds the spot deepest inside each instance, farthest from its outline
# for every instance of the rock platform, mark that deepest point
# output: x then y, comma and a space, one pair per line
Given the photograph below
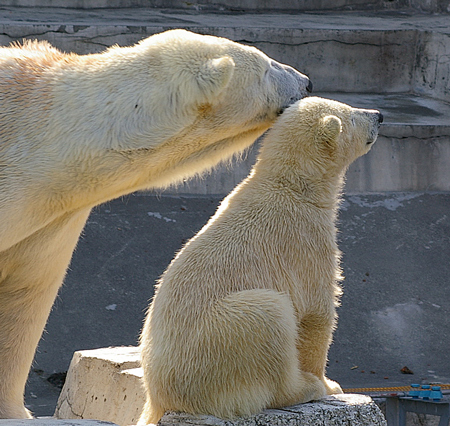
104, 384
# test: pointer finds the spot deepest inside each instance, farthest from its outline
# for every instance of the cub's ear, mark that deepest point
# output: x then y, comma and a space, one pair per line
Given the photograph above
329, 129
214, 76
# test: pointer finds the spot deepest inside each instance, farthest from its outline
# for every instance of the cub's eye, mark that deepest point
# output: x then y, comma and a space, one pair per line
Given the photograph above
353, 120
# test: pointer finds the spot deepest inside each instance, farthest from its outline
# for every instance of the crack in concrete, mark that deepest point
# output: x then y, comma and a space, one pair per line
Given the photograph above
33, 34
429, 138
318, 41
68, 402
62, 30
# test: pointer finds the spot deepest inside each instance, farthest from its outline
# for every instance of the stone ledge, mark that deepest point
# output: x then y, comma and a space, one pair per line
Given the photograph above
105, 384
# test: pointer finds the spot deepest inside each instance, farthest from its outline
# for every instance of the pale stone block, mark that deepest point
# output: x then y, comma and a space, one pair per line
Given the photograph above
103, 384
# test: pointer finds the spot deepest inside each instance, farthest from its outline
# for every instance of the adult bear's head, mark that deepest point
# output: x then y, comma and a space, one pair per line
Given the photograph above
205, 70
174, 105
204, 95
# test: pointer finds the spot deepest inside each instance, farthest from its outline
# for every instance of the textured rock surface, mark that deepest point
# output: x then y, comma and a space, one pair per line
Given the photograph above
53, 422
355, 410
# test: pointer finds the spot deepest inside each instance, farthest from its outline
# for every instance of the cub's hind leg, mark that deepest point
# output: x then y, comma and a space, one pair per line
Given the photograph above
236, 358
258, 355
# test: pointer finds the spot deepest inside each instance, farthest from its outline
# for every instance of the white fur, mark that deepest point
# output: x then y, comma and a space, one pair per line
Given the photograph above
76, 131
243, 317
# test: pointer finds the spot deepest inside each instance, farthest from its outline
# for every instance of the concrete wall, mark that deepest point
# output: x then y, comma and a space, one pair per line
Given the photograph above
432, 65
343, 53
346, 59
394, 164
361, 61
343, 60
237, 5
406, 164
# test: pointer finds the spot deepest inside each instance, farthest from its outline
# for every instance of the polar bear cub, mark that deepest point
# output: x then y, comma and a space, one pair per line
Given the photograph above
243, 317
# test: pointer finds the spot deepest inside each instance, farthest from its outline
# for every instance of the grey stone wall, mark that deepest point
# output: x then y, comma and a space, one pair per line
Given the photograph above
432, 65
433, 6
396, 62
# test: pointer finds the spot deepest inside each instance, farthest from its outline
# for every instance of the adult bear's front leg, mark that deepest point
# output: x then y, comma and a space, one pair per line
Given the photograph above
31, 273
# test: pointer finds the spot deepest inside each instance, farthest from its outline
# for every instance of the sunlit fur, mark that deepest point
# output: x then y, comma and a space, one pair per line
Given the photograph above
76, 131
243, 317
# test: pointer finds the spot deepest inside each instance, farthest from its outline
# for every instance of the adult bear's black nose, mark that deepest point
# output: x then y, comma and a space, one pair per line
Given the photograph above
309, 87
380, 116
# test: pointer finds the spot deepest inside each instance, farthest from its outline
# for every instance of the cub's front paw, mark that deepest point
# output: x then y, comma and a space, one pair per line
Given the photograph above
332, 387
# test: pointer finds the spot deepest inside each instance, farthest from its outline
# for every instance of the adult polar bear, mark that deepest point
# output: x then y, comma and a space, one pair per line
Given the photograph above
76, 131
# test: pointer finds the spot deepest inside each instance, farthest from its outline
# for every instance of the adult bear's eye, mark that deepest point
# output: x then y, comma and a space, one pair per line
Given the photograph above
276, 65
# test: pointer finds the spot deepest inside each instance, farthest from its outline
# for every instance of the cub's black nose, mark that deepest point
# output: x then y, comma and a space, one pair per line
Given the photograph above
309, 87
380, 117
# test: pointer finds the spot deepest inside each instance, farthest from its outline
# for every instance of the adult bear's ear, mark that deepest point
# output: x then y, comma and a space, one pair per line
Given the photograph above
214, 76
329, 129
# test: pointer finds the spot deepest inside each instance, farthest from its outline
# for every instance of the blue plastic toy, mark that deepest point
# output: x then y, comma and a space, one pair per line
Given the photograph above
436, 393
425, 392
415, 391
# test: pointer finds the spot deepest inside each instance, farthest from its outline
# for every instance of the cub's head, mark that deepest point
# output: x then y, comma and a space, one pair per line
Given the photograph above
324, 136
